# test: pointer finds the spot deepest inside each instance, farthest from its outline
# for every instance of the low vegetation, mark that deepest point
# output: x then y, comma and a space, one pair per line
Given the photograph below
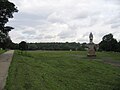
62, 70
2, 51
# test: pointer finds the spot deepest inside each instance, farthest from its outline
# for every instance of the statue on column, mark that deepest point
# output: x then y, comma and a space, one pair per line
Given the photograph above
91, 38
91, 47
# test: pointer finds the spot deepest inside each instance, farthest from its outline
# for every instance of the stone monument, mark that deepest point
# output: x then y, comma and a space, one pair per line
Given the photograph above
91, 47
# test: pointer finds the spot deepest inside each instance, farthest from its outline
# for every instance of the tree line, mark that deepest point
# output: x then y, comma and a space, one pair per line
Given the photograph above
73, 46
108, 43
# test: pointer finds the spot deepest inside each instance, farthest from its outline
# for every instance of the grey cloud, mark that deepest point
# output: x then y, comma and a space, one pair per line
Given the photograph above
39, 37
82, 40
30, 16
83, 14
52, 21
115, 25
49, 37
21, 37
29, 32
57, 17
114, 1
67, 34
27, 19
86, 34
114, 22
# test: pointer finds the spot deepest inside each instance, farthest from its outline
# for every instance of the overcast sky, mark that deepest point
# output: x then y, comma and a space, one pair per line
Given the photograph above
65, 20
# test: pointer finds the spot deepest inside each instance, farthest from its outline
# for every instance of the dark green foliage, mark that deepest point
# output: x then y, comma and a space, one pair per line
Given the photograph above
53, 46
109, 43
56, 46
14, 46
6, 11
23, 45
118, 47
32, 46
2, 51
108, 37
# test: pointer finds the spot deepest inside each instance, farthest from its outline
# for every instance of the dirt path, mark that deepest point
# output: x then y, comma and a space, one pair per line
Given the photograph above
5, 60
112, 62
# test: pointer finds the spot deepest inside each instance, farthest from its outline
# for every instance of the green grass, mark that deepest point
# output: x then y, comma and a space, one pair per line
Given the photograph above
2, 51
109, 55
52, 70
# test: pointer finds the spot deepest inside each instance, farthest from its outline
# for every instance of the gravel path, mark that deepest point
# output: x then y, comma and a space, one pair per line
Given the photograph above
5, 60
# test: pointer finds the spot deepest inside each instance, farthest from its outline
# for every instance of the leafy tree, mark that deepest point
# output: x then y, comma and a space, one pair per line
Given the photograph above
6, 11
23, 45
108, 43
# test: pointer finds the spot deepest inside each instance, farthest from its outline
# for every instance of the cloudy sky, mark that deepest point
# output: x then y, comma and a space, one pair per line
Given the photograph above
65, 20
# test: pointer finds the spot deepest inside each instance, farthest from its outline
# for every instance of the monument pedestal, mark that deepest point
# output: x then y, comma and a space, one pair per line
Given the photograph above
91, 50
91, 55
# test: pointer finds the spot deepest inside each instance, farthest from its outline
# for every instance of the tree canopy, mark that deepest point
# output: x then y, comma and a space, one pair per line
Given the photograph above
109, 43
7, 9
23, 45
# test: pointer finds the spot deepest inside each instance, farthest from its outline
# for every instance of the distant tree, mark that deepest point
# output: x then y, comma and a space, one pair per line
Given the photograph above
23, 45
108, 43
14, 46
6, 11
32, 46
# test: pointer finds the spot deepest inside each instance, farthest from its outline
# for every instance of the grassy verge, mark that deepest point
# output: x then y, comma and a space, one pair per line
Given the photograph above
2, 51
109, 55
61, 71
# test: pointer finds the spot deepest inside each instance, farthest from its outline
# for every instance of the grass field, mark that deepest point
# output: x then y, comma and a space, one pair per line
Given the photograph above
62, 70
